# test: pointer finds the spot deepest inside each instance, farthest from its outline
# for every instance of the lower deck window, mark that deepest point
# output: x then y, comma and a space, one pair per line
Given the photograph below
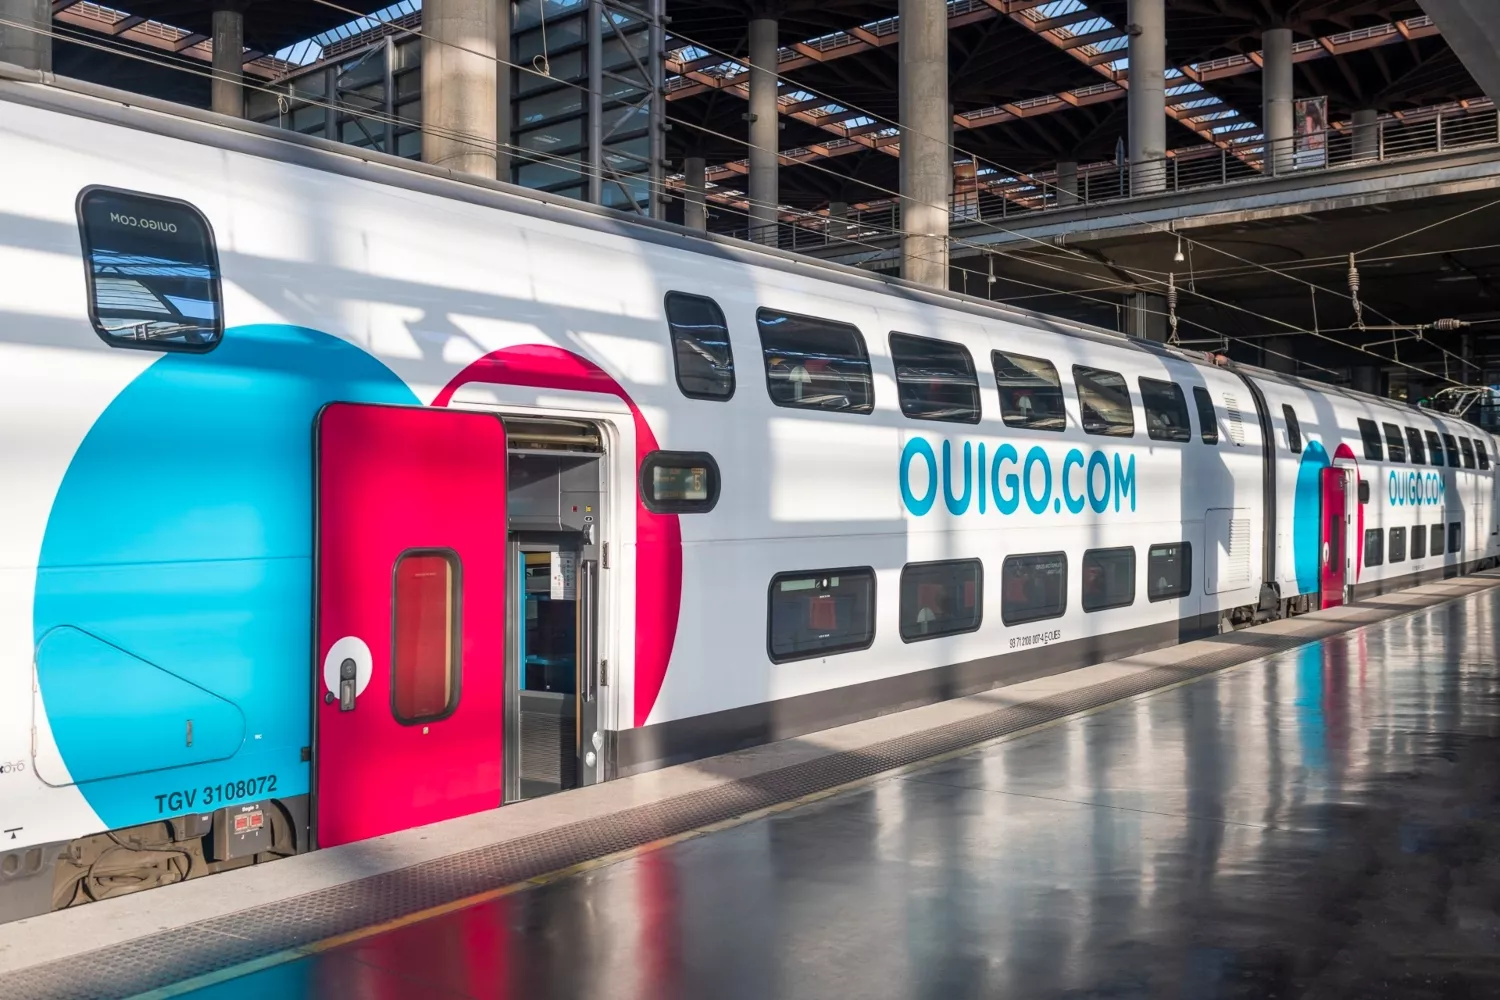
1396, 548
679, 482
1435, 540
1108, 578
1169, 571
425, 659
1033, 587
941, 598
1374, 546
1456, 536
815, 612
1418, 542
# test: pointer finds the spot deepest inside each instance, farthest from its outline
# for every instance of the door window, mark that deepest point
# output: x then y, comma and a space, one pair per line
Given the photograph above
425, 657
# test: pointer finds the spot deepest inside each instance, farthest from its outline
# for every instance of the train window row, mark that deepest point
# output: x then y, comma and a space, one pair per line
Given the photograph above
1411, 446
819, 612
1391, 546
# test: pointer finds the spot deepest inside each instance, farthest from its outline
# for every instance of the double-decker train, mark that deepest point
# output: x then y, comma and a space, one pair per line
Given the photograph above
343, 496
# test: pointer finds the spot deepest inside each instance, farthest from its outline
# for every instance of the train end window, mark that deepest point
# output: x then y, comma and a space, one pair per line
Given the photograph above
701, 353
1293, 430
1415, 449
1466, 448
1395, 549
1482, 454
941, 598
1418, 542
1104, 402
1434, 448
679, 482
152, 270
425, 657
1030, 392
1450, 445
1108, 578
1166, 410
1208, 421
1435, 540
815, 364
1455, 537
1395, 443
1169, 571
1374, 547
935, 379
818, 612
1033, 587
1370, 435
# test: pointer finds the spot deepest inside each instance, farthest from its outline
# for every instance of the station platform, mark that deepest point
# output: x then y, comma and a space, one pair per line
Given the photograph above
1321, 820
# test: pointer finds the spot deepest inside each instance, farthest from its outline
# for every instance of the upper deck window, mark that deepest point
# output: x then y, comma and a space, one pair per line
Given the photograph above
1466, 448
815, 364
1030, 392
700, 347
1370, 435
1482, 453
1104, 402
1166, 410
1416, 450
1293, 430
1435, 447
153, 273
1395, 446
1450, 445
935, 379
1208, 422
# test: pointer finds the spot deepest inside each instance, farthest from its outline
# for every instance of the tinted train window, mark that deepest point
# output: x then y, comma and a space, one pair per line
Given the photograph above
1396, 547
1293, 430
424, 648
1450, 445
1104, 402
1370, 434
1169, 571
1482, 453
700, 347
1166, 410
1435, 540
1416, 450
1030, 392
1374, 547
941, 598
814, 363
1395, 444
1434, 448
1455, 537
816, 612
1418, 542
1033, 587
1208, 422
1108, 578
1466, 447
153, 273
935, 380
679, 482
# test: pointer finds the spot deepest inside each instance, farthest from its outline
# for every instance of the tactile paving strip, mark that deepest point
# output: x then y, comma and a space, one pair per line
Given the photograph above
162, 959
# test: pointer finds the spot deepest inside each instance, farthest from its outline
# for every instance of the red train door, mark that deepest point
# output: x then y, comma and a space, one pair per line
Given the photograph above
410, 617
1332, 537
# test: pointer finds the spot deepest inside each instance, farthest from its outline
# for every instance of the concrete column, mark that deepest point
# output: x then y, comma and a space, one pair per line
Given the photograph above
1279, 354
1067, 183
695, 194
765, 131
1146, 316
27, 44
1147, 104
1366, 134
503, 128
926, 157
459, 88
839, 227
229, 62
1276, 99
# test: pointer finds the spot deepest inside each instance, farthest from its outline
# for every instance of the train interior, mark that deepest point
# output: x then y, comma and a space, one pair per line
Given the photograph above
556, 494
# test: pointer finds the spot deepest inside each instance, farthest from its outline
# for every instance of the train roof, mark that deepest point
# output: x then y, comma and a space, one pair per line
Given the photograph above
69, 96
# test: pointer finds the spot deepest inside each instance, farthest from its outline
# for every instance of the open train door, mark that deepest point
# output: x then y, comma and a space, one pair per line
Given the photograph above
1332, 560
410, 628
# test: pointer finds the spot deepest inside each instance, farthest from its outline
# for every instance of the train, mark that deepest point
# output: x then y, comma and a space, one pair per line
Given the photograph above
344, 495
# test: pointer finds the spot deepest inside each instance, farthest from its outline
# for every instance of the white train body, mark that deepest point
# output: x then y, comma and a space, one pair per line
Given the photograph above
162, 665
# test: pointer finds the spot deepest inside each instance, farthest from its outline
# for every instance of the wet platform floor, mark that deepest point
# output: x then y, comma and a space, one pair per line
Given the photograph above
1321, 823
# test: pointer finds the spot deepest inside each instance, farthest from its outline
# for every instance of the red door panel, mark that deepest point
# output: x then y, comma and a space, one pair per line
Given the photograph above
1331, 537
410, 617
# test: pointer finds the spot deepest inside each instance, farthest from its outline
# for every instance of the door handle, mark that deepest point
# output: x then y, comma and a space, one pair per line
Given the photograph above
586, 622
346, 685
